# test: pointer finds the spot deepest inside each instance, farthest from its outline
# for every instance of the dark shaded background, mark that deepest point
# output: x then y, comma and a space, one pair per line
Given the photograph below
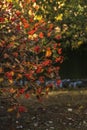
75, 63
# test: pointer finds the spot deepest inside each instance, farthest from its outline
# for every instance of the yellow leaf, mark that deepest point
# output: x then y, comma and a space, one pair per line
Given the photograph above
12, 72
59, 17
9, 0
10, 110
38, 17
11, 81
1, 79
79, 43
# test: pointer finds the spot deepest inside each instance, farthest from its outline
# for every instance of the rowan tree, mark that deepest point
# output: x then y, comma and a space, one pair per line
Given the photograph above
30, 50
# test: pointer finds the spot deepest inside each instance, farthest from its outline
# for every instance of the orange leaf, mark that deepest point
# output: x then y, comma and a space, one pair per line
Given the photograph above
59, 50
1, 70
27, 95
19, 76
12, 90
31, 32
26, 25
48, 52
10, 81
24, 20
18, 13
58, 82
41, 35
27, 1
48, 34
10, 109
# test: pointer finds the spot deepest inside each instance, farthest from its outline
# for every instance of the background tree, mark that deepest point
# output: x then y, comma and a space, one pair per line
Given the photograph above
69, 16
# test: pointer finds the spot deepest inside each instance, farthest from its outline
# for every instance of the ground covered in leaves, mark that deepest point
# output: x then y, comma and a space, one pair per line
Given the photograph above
60, 110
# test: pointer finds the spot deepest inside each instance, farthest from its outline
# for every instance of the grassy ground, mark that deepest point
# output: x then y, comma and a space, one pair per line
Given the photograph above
60, 110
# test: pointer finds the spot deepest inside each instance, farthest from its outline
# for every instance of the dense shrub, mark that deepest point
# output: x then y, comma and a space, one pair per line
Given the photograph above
30, 51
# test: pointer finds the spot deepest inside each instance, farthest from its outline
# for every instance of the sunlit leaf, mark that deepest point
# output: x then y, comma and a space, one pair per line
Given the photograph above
38, 17
59, 17
10, 81
48, 52
12, 90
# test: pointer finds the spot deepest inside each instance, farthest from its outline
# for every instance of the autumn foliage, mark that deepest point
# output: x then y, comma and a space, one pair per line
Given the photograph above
30, 51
